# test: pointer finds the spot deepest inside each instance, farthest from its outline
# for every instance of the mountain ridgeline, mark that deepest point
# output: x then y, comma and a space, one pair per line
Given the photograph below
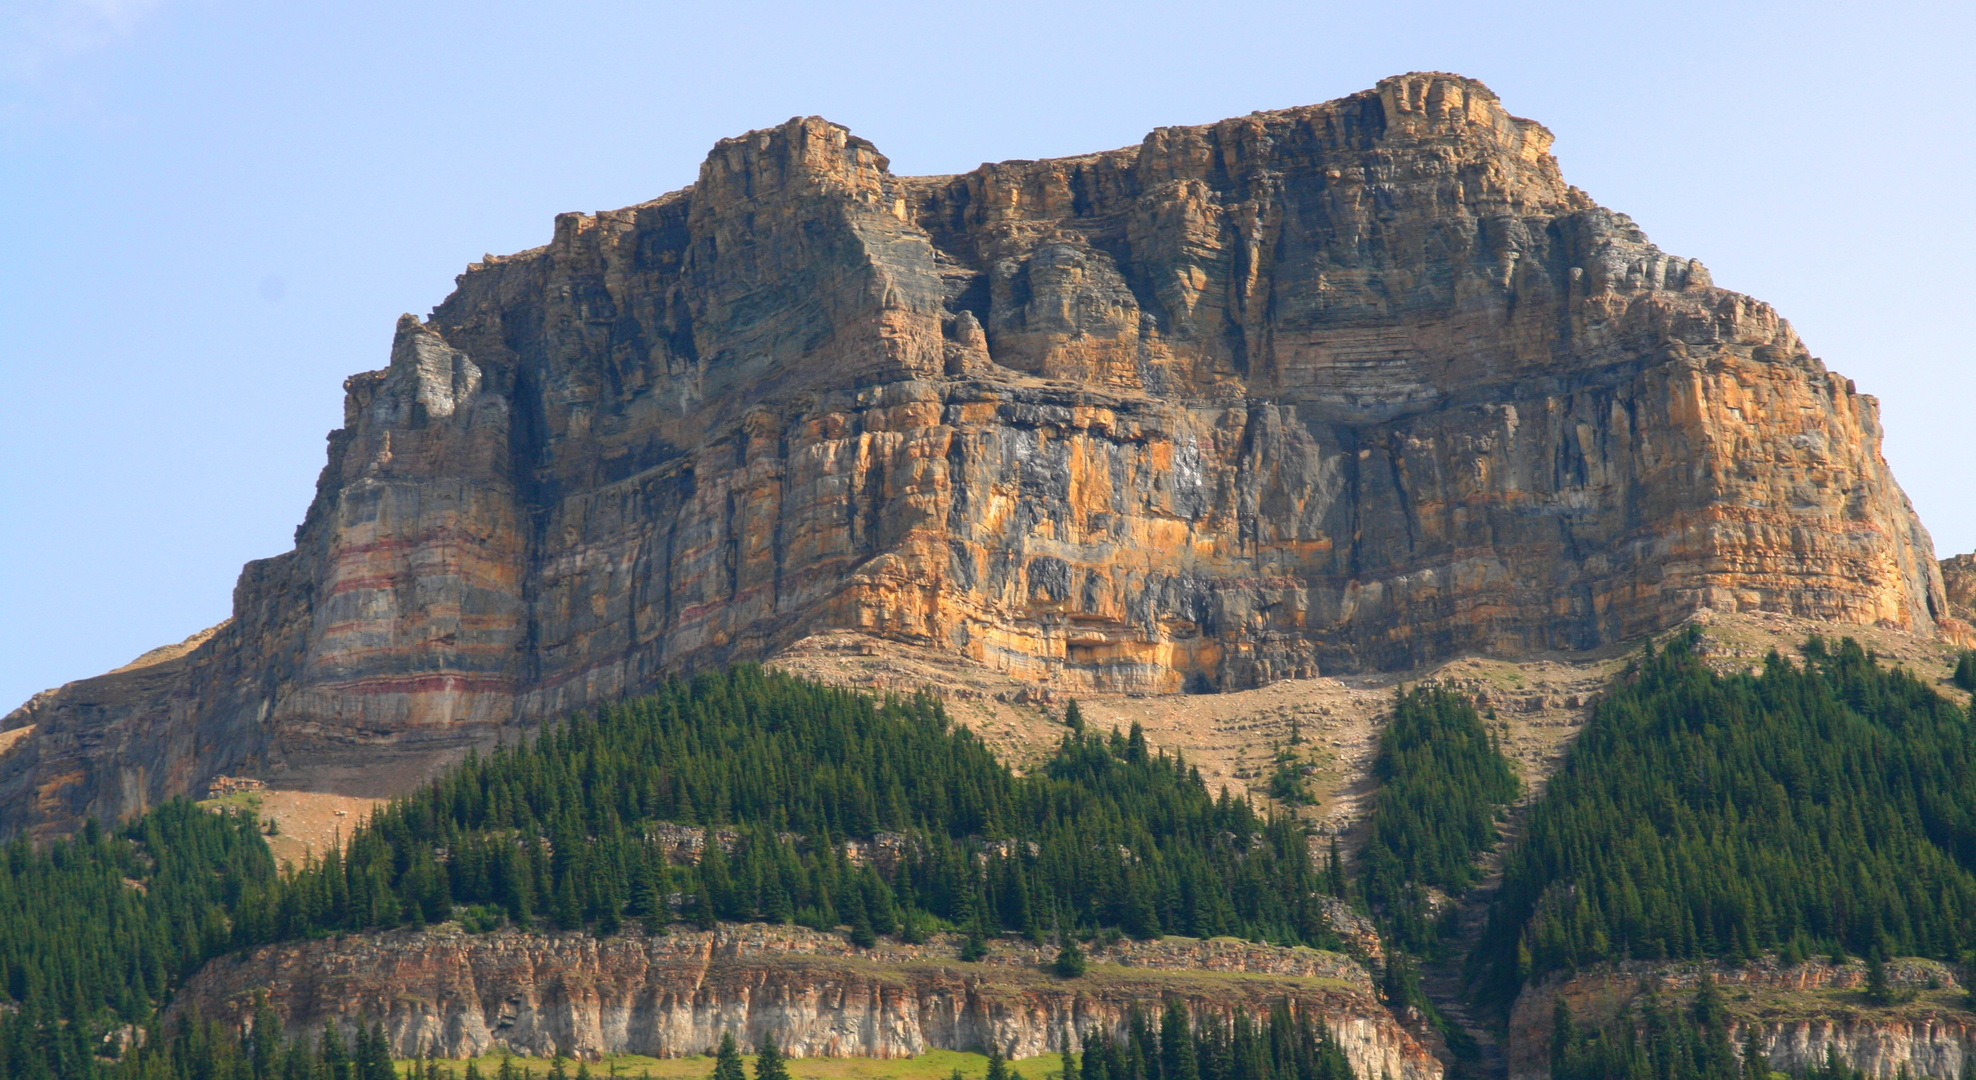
1320, 391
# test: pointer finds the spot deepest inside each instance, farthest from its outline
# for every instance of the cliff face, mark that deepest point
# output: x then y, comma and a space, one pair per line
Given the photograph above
1344, 387
670, 996
1959, 582
1794, 1014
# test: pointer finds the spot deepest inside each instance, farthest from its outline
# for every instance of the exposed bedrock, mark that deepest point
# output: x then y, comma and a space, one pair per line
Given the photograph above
818, 996
1353, 386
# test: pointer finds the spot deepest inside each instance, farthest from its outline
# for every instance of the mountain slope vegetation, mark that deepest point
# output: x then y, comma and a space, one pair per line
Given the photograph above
1814, 807
569, 830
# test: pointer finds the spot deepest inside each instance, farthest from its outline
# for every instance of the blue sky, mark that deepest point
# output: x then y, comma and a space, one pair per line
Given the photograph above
212, 212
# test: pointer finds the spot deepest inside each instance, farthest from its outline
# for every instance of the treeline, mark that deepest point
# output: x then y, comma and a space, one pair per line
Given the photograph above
1814, 808
562, 831
1443, 785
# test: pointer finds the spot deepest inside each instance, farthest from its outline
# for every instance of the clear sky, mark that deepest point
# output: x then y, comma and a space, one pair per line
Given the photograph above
211, 212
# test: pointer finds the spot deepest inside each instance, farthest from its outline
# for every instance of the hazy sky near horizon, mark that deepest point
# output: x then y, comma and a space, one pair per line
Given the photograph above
212, 212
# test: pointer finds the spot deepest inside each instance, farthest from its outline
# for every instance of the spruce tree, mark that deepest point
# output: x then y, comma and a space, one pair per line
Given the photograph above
265, 1038
1177, 1058
1877, 989
1070, 960
727, 1059
974, 946
769, 1063
332, 1054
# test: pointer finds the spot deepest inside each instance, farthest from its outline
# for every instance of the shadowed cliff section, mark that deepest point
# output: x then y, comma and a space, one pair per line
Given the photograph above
1347, 387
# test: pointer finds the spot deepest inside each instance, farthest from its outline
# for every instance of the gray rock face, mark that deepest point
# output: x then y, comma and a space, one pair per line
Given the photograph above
1346, 387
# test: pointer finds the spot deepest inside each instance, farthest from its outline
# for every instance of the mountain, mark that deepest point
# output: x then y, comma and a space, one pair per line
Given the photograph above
1342, 388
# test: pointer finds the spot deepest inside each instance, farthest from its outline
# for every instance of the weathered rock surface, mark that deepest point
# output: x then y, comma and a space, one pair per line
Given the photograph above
1347, 387
818, 996
1794, 1013
1959, 583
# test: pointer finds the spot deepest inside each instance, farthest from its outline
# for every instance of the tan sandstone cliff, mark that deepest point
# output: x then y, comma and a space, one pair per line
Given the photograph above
817, 995
1347, 387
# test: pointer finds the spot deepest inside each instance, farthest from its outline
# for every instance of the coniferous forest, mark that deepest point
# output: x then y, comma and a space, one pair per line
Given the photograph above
560, 833
1820, 806
1106, 834
1817, 807
1443, 783
97, 929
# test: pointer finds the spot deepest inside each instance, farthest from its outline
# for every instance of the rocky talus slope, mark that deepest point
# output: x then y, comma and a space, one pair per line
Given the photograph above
1341, 388
817, 995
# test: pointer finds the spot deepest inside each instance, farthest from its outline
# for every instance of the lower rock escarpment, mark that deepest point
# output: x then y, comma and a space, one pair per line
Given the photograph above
818, 996
1795, 1014
1330, 389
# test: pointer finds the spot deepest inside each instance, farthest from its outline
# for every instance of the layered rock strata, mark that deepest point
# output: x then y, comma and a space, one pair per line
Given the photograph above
1794, 1014
819, 997
1345, 387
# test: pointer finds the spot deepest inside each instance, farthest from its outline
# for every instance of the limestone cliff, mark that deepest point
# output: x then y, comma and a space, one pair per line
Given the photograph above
1327, 389
817, 995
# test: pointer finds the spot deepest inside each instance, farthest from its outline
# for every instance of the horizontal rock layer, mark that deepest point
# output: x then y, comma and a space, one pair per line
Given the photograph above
1345, 387
817, 995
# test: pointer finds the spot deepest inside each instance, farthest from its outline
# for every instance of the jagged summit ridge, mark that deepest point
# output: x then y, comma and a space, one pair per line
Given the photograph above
1356, 385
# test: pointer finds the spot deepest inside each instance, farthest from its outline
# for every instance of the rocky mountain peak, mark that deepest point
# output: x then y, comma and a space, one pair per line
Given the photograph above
1353, 386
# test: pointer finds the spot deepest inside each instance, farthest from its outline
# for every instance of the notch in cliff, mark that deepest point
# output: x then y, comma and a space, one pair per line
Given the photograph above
1352, 386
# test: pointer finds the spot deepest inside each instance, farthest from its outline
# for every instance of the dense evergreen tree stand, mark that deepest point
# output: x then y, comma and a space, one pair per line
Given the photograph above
1822, 807
1827, 806
561, 832
1444, 788
1107, 833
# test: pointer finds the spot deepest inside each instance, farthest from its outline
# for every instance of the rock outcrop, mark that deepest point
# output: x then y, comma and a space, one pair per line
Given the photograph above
1328, 389
1959, 583
1794, 1014
817, 995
